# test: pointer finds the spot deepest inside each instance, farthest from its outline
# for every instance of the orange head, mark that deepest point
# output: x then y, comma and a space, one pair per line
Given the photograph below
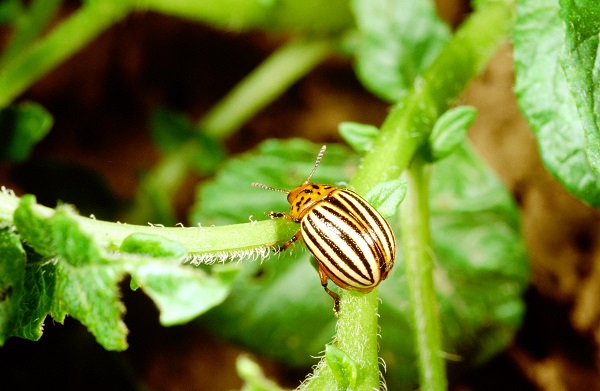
307, 194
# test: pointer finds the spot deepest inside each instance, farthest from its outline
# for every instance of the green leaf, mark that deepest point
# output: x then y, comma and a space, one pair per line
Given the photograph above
28, 286
12, 279
278, 308
581, 67
359, 136
37, 300
387, 196
31, 227
180, 292
171, 131
87, 283
21, 127
450, 131
397, 40
544, 98
183, 293
342, 366
85, 280
285, 165
70, 274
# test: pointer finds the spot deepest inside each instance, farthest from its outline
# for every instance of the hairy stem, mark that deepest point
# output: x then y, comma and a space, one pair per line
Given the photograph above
416, 246
410, 121
197, 240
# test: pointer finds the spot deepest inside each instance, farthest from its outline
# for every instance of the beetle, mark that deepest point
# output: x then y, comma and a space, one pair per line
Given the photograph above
353, 244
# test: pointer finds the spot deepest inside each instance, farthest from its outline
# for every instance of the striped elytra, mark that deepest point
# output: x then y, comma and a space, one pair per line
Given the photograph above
352, 243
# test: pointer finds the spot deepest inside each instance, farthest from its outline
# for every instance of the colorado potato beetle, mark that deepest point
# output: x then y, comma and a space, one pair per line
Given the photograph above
352, 243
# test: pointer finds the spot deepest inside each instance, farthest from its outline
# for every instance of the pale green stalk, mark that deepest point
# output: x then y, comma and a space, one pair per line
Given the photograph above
416, 247
263, 85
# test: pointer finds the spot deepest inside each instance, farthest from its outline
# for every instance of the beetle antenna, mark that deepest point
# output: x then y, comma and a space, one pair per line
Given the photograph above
319, 157
269, 188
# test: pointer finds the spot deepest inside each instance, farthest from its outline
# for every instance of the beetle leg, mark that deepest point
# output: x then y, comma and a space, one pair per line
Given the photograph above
294, 238
286, 216
334, 296
287, 244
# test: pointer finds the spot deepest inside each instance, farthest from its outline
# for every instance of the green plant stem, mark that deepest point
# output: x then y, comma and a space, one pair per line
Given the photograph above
198, 241
29, 26
416, 246
71, 35
410, 121
314, 16
356, 334
264, 84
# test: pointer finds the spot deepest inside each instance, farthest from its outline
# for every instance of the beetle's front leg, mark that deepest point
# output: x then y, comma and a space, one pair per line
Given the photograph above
287, 216
334, 296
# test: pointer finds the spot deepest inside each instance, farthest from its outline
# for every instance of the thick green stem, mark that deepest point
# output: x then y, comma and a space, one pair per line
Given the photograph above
237, 239
314, 16
416, 246
78, 30
356, 335
411, 120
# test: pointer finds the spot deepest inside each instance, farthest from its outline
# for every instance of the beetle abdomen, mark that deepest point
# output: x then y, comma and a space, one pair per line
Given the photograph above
350, 239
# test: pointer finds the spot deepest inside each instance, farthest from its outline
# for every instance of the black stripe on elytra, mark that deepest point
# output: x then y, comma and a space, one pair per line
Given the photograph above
349, 196
339, 272
347, 236
326, 246
375, 246
358, 230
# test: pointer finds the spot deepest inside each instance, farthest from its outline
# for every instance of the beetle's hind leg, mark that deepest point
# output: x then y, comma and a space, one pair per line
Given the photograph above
294, 238
334, 296
287, 244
